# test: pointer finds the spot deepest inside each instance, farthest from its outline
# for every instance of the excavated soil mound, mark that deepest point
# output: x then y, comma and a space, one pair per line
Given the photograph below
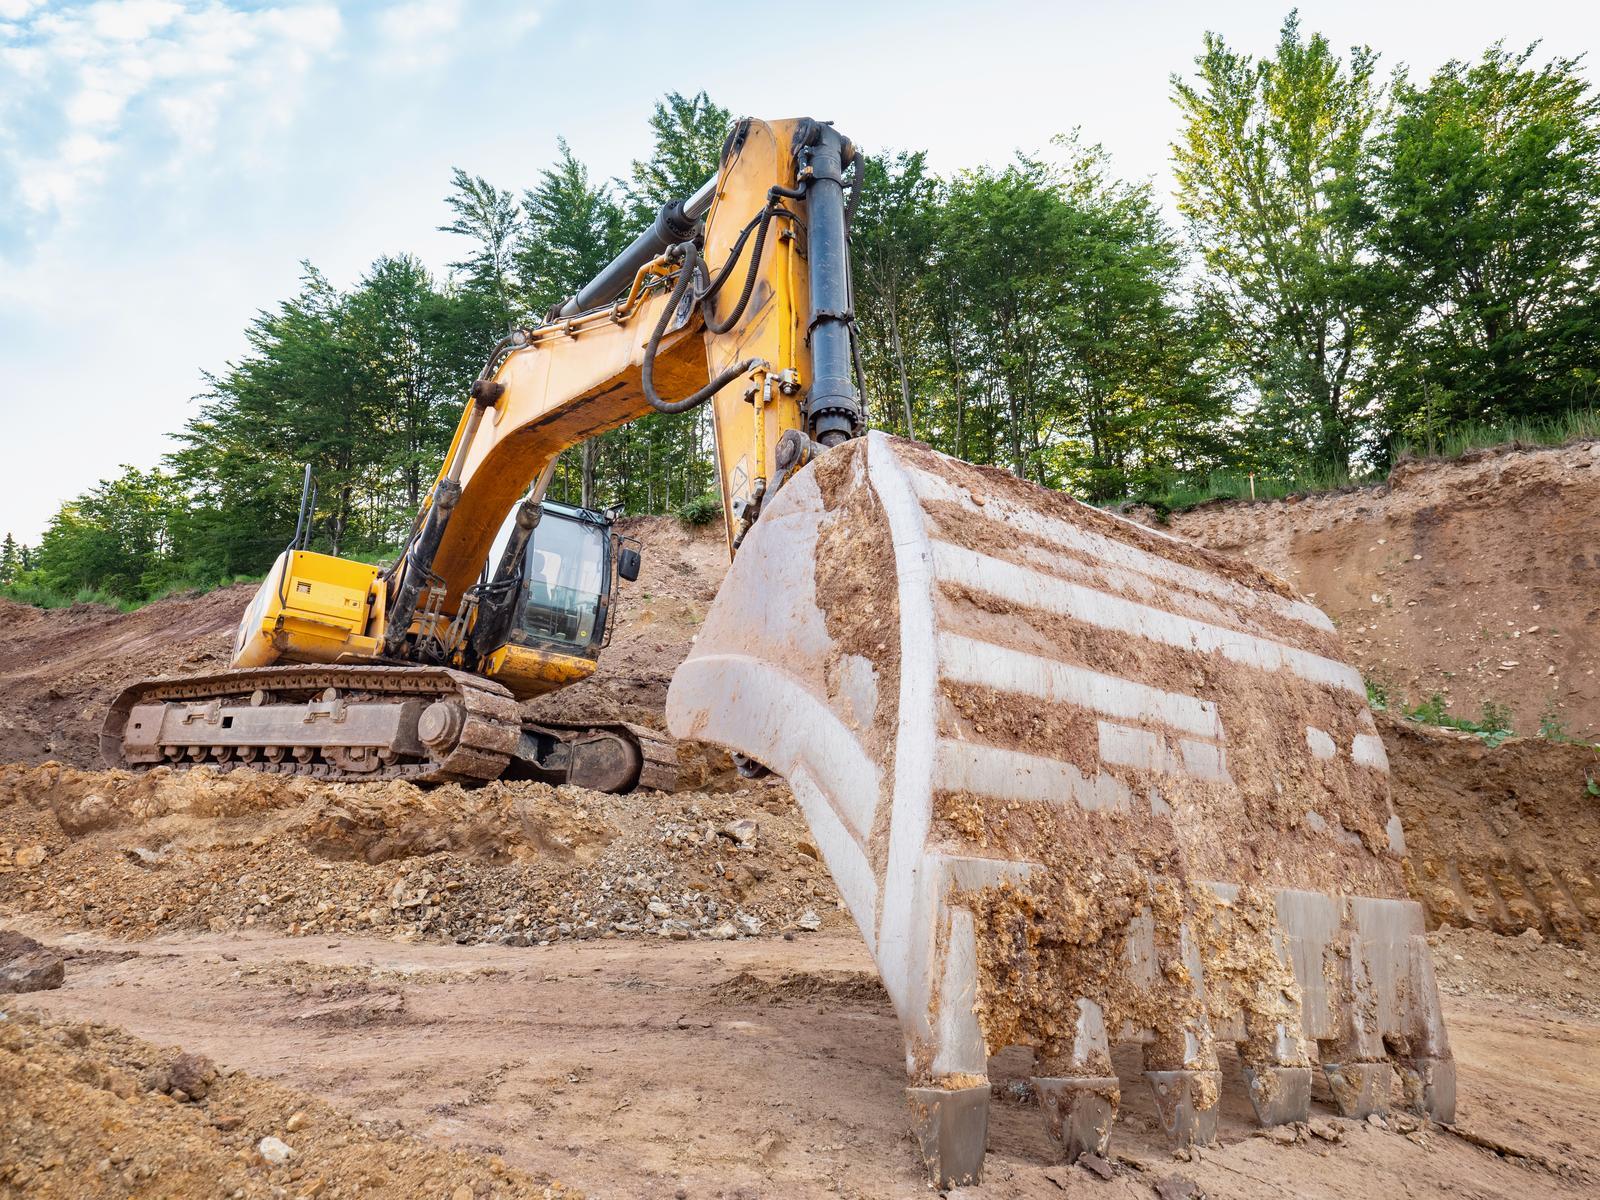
1477, 578
88, 1111
1504, 838
510, 862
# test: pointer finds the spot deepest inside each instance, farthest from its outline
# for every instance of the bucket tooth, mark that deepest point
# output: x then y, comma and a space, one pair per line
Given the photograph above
1186, 1105
1429, 1085
1055, 759
952, 1126
1279, 1095
1359, 1088
1078, 1093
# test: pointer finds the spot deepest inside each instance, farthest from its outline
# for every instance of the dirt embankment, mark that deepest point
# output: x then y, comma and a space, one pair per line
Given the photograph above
61, 668
1504, 838
1476, 578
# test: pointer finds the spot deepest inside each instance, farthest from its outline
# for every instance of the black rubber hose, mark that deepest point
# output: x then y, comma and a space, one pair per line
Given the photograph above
732, 319
760, 219
648, 367
760, 223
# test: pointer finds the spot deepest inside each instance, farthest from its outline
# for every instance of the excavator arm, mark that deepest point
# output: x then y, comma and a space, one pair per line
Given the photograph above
765, 334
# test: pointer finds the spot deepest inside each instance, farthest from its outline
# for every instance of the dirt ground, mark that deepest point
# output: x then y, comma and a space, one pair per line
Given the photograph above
1477, 578
759, 1068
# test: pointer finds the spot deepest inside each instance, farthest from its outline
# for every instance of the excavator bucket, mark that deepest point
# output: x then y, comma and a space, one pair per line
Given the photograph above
1079, 783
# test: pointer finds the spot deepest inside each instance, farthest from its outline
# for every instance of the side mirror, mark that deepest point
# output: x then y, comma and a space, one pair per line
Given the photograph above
628, 563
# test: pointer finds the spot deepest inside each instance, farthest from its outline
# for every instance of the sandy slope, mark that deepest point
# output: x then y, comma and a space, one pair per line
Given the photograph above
1478, 578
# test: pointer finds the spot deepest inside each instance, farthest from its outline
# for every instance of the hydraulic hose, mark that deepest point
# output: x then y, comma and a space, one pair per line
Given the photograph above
758, 223
727, 375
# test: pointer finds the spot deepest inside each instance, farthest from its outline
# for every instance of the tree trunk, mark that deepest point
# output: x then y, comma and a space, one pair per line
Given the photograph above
591, 456
900, 364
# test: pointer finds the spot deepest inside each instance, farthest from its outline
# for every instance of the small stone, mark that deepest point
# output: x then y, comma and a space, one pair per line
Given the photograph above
227, 1123
723, 931
1376, 1121
274, 1152
181, 1096
808, 850
1282, 1134
464, 1192
1326, 1130
27, 966
193, 1074
1178, 1187
296, 1122
809, 921
1096, 1165
658, 909
30, 856
742, 831
1531, 934
748, 924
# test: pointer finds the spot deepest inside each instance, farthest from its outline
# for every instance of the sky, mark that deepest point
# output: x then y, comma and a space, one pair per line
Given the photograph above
166, 165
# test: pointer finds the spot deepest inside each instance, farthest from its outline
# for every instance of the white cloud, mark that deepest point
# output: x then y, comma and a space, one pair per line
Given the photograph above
148, 82
416, 35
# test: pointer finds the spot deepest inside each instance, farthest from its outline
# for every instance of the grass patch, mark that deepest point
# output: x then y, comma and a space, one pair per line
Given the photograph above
1577, 425
702, 510
1181, 495
39, 596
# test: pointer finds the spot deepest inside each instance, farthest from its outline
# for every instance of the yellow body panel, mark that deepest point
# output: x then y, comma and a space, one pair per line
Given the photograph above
310, 608
530, 672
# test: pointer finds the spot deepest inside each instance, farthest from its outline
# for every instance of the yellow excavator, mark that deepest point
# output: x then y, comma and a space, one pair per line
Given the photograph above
1079, 783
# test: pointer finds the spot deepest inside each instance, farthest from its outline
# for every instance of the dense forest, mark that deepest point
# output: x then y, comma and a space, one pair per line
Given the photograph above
1363, 262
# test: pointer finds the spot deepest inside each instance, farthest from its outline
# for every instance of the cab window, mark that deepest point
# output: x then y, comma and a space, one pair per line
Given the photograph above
563, 581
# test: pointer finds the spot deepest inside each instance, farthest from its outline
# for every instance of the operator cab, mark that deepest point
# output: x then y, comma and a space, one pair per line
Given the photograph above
572, 562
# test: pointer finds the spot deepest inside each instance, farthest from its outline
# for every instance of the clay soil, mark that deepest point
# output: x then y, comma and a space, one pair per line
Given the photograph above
1477, 579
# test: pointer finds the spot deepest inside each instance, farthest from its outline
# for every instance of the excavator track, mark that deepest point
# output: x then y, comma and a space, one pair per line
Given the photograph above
328, 703
657, 752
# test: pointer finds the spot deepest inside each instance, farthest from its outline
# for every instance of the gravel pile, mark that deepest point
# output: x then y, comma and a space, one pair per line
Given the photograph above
517, 863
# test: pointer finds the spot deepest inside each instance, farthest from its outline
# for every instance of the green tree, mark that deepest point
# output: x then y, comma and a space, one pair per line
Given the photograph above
490, 218
114, 537
572, 227
687, 134
891, 244
1269, 168
10, 560
1083, 369
1487, 222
